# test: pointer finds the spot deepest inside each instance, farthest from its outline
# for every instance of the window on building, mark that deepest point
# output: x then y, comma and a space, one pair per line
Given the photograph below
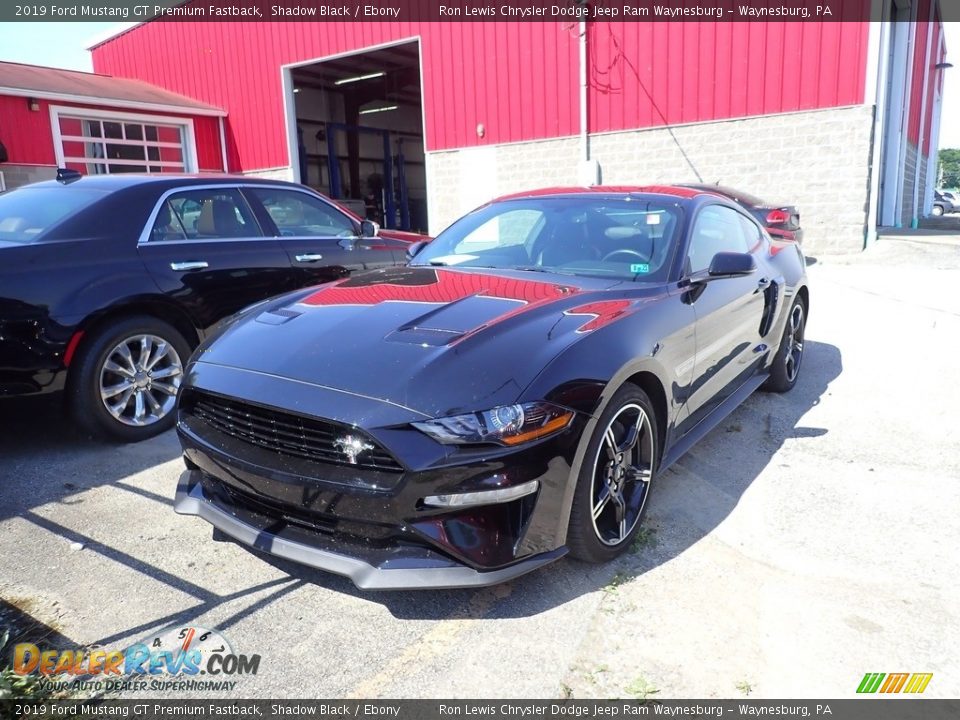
111, 143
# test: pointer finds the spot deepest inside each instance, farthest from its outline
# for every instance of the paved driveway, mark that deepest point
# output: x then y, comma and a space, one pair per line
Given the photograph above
808, 540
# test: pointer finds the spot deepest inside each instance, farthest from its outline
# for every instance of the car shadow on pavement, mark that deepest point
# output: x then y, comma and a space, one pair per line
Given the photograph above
695, 496
45, 458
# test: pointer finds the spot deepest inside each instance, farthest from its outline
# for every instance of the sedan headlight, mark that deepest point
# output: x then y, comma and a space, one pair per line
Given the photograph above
505, 425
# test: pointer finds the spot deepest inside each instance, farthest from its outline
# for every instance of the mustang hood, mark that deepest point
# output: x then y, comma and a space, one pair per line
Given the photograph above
438, 341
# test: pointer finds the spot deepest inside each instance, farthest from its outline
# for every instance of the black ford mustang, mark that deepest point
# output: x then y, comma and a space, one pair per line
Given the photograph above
508, 397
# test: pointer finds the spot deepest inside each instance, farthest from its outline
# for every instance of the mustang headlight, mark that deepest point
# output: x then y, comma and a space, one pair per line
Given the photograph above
504, 425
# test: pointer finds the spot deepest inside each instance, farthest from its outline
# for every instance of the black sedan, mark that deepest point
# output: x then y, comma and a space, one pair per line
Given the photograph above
781, 221
511, 395
108, 282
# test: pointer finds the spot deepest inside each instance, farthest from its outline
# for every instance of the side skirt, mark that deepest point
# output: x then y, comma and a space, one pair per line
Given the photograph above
712, 420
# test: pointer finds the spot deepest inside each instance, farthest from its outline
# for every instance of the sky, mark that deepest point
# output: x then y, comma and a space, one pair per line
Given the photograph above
64, 45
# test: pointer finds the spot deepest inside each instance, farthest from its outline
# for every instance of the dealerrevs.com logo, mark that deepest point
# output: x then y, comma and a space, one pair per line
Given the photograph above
178, 658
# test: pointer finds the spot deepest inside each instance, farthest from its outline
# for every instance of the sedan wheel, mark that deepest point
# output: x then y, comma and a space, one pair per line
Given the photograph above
615, 480
937, 210
124, 382
139, 380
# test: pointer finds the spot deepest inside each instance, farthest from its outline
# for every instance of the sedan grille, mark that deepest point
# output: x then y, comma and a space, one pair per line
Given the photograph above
288, 434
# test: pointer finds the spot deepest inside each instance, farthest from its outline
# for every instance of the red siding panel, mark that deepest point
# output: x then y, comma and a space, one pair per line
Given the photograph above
695, 72
469, 74
919, 104
917, 73
520, 80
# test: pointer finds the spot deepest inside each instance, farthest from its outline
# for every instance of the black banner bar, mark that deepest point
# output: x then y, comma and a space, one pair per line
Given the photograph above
452, 10
868, 708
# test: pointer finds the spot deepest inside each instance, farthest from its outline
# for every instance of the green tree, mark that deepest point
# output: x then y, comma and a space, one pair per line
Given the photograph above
949, 168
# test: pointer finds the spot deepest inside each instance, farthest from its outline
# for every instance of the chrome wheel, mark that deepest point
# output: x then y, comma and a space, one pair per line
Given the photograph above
623, 468
794, 341
139, 380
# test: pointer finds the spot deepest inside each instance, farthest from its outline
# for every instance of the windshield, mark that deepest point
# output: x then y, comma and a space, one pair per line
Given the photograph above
624, 236
27, 213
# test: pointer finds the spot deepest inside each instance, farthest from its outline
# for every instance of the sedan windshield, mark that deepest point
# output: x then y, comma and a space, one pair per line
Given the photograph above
622, 236
26, 214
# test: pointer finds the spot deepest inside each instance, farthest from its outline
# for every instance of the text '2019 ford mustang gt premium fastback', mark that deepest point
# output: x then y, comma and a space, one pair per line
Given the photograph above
511, 395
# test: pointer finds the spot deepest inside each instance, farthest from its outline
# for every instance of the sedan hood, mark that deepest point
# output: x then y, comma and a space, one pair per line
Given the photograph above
436, 341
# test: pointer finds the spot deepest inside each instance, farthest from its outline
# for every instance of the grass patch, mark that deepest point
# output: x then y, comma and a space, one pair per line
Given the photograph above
646, 537
619, 578
19, 624
641, 688
744, 687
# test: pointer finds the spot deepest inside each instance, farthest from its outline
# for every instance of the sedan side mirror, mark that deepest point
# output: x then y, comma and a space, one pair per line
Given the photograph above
414, 248
369, 229
731, 264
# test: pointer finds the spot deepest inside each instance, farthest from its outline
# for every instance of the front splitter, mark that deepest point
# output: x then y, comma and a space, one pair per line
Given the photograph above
436, 571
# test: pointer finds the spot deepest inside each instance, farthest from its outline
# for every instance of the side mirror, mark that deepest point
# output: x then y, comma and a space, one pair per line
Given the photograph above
369, 229
413, 249
731, 264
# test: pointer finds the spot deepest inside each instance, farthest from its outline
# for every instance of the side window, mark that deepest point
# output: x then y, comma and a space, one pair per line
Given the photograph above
751, 232
298, 214
205, 214
716, 229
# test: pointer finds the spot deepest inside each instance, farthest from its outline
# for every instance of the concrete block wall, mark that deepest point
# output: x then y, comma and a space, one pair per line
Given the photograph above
17, 175
280, 173
818, 160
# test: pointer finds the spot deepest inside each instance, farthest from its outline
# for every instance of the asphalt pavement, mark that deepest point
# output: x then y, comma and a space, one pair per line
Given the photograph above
810, 539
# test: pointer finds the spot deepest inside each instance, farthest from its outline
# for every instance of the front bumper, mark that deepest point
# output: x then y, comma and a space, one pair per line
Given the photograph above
390, 568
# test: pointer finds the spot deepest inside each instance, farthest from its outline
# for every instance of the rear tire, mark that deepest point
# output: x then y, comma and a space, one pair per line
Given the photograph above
123, 383
618, 469
786, 363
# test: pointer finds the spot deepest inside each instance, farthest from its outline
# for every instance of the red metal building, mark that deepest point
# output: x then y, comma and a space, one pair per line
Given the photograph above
838, 117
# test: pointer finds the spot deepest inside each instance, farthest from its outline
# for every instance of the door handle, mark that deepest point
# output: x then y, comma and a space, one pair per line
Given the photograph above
189, 266
309, 258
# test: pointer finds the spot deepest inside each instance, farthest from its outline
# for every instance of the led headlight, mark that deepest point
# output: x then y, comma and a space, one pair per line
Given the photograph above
504, 425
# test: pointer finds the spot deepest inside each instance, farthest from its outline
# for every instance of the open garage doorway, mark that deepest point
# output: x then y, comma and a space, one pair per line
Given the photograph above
357, 132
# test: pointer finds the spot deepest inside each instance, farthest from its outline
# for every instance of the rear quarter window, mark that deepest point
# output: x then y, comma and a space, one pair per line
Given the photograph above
27, 214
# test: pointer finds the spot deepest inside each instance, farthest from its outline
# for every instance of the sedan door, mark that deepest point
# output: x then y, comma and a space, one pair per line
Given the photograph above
205, 249
323, 242
730, 311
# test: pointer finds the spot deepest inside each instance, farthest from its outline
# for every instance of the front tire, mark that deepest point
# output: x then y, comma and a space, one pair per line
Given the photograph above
786, 363
614, 482
123, 385
937, 211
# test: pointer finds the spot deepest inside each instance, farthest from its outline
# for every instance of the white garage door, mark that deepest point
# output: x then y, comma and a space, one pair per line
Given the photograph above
102, 142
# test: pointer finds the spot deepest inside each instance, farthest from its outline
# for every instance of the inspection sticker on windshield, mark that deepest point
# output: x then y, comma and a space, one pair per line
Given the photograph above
653, 219
639, 268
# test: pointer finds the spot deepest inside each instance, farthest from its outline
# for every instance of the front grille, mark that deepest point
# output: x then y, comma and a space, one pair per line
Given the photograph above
285, 433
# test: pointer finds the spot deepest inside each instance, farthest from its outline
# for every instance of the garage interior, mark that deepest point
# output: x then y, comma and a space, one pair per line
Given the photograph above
359, 122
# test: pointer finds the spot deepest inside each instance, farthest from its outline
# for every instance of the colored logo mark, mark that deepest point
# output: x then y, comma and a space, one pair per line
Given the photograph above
913, 683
